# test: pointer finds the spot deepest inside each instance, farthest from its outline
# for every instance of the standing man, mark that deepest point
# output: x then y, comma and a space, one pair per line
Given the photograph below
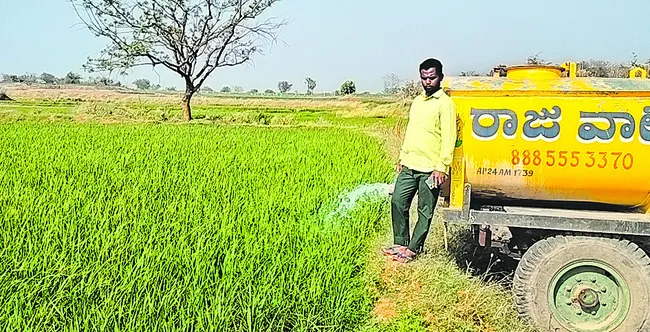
424, 162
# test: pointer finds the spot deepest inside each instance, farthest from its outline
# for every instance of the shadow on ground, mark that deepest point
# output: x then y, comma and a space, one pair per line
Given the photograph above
479, 261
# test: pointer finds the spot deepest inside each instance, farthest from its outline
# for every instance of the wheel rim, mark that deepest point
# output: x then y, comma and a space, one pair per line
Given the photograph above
589, 296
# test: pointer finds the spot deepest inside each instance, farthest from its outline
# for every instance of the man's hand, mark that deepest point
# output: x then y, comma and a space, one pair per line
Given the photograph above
398, 168
438, 178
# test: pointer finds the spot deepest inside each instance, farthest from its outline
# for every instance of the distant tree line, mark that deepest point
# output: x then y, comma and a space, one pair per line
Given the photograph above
393, 85
47, 78
348, 87
72, 78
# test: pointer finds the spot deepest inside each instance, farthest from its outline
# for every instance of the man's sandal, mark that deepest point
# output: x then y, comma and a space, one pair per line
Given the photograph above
392, 251
402, 258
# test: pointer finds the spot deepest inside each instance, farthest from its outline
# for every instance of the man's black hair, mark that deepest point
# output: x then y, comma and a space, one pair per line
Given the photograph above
432, 63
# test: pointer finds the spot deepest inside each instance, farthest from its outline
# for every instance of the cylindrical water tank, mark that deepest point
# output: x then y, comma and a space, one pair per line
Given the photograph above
539, 135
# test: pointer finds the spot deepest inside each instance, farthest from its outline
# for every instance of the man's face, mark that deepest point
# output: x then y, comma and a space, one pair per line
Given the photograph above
430, 79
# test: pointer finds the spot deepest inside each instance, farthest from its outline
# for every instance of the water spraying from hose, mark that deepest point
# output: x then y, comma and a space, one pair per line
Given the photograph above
349, 200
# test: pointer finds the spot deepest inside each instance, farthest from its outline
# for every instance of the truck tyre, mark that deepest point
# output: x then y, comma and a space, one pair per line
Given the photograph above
582, 283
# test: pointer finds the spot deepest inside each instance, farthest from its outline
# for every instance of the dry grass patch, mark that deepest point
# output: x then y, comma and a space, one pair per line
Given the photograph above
433, 293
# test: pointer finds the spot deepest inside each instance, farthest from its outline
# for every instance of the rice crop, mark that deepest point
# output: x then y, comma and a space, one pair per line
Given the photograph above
163, 227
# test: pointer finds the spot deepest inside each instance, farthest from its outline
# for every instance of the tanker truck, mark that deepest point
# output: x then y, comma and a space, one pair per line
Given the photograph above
553, 170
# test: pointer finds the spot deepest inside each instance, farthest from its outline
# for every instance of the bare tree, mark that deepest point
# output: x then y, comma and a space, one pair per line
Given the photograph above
190, 37
536, 60
311, 85
602, 68
391, 83
411, 89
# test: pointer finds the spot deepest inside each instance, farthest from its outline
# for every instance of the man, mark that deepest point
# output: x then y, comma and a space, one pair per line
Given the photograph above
424, 162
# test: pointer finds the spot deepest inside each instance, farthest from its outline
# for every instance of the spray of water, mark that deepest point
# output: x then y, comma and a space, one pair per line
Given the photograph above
349, 200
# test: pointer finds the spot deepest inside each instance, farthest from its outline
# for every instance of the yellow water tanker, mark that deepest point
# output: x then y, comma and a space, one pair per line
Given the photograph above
542, 134
553, 170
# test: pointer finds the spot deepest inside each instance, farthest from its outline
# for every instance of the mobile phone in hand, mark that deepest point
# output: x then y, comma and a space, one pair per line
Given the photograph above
430, 183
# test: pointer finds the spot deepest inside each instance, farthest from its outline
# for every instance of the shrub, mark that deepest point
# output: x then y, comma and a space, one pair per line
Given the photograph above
142, 84
72, 78
49, 78
105, 81
10, 78
284, 86
348, 88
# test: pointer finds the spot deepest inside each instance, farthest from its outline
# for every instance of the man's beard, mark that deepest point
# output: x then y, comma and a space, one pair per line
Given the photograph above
431, 90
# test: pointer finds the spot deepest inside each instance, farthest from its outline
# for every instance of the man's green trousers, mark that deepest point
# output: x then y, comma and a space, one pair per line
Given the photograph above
409, 182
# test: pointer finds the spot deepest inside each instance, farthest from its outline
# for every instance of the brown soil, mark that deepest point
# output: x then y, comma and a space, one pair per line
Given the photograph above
389, 270
385, 310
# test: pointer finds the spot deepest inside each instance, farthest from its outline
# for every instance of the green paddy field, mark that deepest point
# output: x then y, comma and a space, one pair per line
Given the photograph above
118, 216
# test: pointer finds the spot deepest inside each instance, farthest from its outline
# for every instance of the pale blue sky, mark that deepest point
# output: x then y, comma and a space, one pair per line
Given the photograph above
361, 40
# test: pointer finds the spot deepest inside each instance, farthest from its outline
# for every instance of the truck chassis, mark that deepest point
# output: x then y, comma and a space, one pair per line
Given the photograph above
578, 270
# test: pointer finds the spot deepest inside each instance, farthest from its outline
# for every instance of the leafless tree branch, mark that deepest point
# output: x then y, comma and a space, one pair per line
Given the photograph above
190, 37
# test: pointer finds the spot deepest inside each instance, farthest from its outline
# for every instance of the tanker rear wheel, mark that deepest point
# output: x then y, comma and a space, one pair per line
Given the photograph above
581, 283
